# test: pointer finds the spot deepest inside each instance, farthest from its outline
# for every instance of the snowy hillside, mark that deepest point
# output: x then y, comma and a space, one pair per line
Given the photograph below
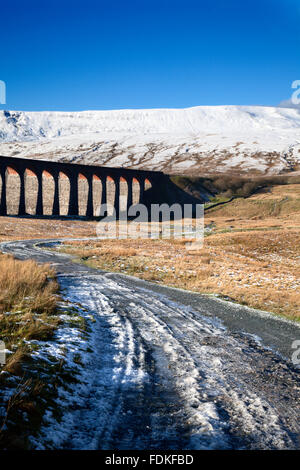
195, 140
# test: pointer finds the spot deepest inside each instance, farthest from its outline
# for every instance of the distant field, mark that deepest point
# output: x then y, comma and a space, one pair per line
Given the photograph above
12, 228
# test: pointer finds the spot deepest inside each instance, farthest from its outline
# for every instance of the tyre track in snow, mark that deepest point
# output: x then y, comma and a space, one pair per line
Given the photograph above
168, 374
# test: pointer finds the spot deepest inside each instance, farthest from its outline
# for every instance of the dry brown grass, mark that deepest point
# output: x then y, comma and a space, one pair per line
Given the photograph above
115, 251
12, 228
28, 300
15, 361
26, 286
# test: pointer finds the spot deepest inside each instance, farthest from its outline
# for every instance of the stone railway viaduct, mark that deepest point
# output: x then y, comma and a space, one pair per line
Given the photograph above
48, 188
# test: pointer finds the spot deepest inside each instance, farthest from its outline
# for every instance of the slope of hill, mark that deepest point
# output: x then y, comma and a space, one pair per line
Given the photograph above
200, 140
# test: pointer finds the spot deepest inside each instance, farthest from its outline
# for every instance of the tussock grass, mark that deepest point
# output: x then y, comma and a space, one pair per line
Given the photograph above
86, 249
25, 285
28, 302
15, 361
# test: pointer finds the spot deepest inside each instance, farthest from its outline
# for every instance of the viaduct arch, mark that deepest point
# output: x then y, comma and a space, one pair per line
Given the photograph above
95, 185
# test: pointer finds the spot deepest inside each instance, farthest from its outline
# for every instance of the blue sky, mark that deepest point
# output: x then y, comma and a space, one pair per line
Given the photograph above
76, 55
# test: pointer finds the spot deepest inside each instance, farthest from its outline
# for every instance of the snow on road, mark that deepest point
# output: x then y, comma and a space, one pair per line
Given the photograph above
160, 375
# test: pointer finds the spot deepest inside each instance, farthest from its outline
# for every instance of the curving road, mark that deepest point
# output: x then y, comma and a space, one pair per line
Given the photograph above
173, 369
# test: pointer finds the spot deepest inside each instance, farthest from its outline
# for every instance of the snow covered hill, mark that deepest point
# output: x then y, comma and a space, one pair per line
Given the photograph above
199, 140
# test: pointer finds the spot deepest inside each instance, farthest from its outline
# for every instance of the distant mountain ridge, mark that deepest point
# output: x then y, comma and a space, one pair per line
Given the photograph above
199, 140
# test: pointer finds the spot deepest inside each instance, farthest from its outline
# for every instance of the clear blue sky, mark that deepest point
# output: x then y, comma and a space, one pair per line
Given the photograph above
76, 55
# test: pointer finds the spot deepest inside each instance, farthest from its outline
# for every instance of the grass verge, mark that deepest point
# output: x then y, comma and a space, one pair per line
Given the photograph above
30, 315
